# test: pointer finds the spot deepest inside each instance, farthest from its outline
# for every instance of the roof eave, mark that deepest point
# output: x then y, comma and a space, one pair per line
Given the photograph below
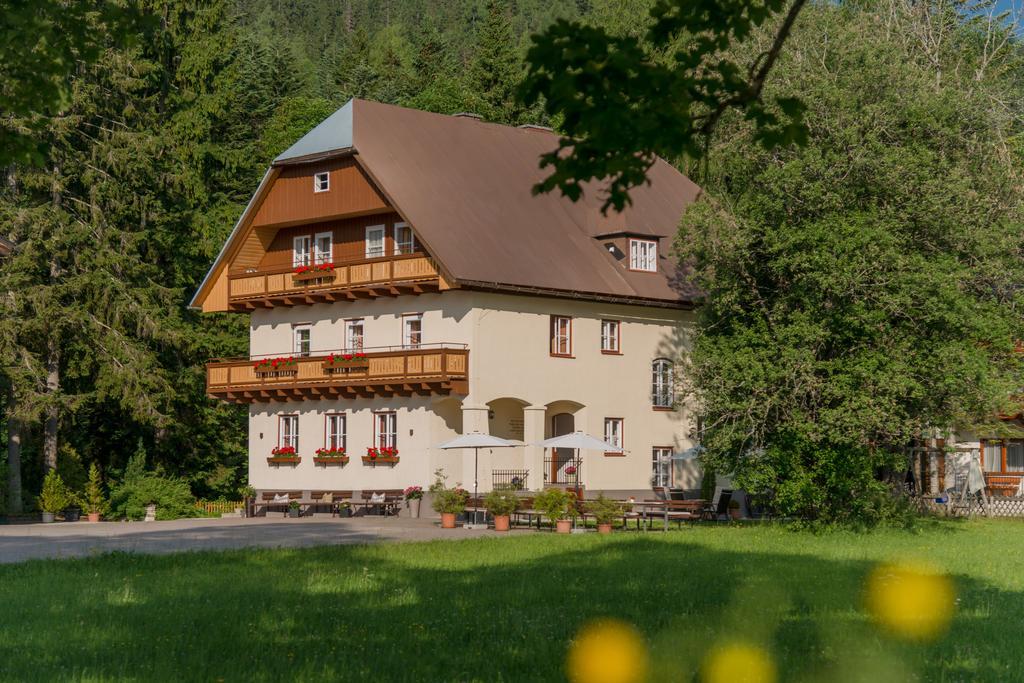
682, 303
312, 158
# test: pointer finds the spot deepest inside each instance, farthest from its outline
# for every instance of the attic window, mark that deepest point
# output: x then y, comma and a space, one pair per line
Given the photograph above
643, 255
322, 182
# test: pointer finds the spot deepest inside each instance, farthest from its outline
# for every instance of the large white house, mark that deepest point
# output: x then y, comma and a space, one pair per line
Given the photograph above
404, 285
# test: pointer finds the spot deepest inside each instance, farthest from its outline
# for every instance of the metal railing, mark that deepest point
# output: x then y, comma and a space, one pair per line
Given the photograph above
563, 471
510, 480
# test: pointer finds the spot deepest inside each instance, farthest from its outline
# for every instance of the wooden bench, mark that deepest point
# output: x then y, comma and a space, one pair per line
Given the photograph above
338, 498
268, 504
392, 499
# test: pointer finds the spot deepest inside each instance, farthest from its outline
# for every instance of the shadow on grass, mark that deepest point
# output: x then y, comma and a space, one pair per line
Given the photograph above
487, 610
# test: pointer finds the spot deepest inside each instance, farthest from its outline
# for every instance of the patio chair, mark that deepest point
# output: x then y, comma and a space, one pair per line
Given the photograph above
721, 510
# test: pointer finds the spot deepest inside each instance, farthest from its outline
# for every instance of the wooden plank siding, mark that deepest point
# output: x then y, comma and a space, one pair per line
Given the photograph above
441, 369
349, 237
291, 200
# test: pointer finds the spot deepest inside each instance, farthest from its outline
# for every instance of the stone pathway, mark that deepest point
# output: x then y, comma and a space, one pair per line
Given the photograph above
20, 542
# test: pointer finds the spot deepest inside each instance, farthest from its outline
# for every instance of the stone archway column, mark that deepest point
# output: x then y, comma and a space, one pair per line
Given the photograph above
534, 418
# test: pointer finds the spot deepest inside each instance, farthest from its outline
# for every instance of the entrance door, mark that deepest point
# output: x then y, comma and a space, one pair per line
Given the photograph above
561, 424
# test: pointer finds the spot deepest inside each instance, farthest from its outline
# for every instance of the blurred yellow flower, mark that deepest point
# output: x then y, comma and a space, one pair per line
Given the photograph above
738, 663
607, 651
912, 601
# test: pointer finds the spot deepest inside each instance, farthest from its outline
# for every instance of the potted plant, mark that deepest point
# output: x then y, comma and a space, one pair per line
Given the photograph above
559, 506
248, 494
413, 497
387, 454
448, 502
501, 503
293, 508
605, 511
330, 456
284, 454
54, 497
346, 361
734, 509
95, 502
275, 365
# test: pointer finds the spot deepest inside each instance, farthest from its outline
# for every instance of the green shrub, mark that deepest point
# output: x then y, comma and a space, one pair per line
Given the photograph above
447, 500
95, 501
172, 497
605, 510
55, 496
556, 504
501, 502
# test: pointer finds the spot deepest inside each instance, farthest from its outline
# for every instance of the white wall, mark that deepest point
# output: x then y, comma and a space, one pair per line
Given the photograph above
508, 338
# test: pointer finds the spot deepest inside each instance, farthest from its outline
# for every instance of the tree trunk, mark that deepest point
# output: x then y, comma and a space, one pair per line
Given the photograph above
52, 409
13, 459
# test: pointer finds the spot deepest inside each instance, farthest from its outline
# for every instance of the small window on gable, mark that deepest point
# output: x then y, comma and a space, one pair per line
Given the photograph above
643, 255
321, 182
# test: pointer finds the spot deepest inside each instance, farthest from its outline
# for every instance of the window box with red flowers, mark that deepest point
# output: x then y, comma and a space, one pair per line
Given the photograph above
276, 366
315, 272
346, 361
284, 455
330, 456
381, 455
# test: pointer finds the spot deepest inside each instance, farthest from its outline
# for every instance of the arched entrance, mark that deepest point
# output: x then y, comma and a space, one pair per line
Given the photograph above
562, 459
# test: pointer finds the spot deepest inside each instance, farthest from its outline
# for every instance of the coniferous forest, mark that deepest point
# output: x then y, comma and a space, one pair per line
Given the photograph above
126, 195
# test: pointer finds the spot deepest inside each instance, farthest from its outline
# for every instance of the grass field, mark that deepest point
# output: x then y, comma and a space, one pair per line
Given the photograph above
506, 609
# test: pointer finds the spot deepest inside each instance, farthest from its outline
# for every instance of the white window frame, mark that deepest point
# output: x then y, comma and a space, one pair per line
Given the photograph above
372, 253
297, 345
288, 431
303, 256
661, 466
321, 256
611, 332
410, 246
643, 255
613, 433
412, 339
662, 383
321, 182
561, 340
351, 342
335, 438
385, 429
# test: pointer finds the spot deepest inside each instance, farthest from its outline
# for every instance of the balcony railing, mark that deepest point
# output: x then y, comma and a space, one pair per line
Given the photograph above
429, 369
346, 281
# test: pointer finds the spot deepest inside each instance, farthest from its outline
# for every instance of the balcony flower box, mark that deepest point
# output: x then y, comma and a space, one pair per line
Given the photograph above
330, 456
284, 455
272, 366
318, 271
346, 361
381, 455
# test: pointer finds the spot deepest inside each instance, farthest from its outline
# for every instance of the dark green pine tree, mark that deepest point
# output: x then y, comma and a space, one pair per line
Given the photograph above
497, 68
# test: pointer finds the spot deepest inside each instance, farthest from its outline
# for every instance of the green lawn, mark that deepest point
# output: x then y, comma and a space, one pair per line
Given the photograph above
505, 609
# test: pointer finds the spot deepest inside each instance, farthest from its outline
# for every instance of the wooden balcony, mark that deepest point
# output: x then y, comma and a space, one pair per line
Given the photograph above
364, 279
438, 369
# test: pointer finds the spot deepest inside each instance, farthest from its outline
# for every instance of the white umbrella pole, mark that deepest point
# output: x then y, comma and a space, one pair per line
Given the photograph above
476, 458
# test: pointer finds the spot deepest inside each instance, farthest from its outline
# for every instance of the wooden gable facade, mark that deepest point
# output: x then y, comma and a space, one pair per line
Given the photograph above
258, 269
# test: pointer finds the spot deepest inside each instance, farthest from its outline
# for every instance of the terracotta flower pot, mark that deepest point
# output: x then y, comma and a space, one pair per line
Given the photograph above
604, 528
94, 516
563, 526
734, 513
447, 520
501, 522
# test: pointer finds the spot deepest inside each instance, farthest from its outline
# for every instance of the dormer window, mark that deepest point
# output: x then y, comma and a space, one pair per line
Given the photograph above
643, 255
321, 182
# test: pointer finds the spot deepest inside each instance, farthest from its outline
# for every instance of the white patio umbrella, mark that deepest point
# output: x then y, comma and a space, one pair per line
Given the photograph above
578, 441
476, 441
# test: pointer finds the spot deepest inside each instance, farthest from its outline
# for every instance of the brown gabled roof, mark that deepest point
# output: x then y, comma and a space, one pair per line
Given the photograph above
466, 188
5, 247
